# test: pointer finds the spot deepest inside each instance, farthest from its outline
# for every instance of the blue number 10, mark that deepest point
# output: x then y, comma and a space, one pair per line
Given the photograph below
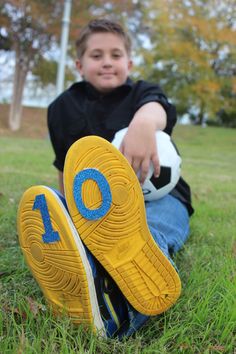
50, 235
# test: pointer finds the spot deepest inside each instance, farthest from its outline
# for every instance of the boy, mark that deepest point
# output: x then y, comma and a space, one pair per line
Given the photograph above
104, 196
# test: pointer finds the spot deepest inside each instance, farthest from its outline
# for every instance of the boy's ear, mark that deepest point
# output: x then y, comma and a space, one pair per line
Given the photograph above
130, 64
79, 66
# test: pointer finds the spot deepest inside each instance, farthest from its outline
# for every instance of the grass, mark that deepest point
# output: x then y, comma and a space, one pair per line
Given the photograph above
204, 318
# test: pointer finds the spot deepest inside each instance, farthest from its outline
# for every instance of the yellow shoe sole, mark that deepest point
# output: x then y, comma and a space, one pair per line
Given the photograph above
120, 240
60, 267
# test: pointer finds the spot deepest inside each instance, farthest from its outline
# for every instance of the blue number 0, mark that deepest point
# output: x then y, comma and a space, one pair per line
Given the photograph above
103, 185
50, 235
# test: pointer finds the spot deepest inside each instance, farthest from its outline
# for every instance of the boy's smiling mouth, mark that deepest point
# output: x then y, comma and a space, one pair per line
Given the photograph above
107, 74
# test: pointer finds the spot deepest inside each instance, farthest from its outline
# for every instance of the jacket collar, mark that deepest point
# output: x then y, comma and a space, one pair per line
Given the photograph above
93, 93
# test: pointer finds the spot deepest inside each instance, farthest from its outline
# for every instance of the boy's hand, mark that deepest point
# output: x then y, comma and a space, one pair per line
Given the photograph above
139, 144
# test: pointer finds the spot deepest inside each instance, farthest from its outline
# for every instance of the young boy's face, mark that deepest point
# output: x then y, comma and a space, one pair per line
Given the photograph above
105, 63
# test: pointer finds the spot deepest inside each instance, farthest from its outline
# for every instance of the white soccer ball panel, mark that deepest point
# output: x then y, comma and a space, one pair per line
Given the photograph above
170, 162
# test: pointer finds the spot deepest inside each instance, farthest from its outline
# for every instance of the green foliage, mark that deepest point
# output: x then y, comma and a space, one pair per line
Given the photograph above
30, 27
46, 70
193, 54
202, 321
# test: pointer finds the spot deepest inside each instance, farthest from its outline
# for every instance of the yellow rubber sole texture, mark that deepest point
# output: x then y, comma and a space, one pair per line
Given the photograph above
120, 240
60, 267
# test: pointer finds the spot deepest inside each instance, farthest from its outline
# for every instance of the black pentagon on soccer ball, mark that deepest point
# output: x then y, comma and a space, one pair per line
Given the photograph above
163, 179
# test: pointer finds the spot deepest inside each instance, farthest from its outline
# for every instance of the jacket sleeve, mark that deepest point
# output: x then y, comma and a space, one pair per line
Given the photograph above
55, 129
148, 92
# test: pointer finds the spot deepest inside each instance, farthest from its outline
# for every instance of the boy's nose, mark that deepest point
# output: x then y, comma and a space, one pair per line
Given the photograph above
107, 61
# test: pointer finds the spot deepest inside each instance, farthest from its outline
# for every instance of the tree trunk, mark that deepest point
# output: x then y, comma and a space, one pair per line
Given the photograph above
201, 118
201, 115
21, 70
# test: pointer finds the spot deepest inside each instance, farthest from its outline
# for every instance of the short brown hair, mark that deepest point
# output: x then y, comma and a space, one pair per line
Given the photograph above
101, 25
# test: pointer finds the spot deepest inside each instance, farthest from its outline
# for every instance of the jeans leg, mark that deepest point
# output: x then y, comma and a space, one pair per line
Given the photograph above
168, 221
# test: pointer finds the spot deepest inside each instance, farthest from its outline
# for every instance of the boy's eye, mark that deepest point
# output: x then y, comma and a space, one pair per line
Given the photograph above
96, 56
116, 55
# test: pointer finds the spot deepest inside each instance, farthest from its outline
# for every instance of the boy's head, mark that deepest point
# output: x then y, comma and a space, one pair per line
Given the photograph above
103, 50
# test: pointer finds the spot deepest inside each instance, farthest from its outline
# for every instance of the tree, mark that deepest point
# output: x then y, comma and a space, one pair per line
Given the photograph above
193, 53
30, 28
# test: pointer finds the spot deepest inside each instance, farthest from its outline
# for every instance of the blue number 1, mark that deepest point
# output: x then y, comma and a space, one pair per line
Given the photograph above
50, 235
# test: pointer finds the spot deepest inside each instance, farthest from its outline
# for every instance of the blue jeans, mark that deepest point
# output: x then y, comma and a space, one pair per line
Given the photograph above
168, 221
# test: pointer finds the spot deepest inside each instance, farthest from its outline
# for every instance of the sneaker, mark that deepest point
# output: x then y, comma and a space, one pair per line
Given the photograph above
66, 272
105, 201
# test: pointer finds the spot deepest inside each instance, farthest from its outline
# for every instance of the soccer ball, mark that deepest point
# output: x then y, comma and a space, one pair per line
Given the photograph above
170, 162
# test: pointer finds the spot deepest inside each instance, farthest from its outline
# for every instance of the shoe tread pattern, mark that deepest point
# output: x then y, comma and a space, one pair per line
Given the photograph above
57, 267
121, 240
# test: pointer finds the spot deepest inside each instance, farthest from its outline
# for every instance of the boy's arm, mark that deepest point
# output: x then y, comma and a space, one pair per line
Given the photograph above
139, 143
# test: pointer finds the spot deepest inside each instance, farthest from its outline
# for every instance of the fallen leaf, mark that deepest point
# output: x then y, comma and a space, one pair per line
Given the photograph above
218, 348
34, 306
234, 249
4, 274
183, 346
21, 349
19, 315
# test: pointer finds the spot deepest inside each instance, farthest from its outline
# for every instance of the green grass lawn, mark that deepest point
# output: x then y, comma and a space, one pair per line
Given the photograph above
204, 318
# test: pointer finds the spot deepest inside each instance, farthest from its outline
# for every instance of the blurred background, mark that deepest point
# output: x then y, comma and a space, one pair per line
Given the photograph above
187, 46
